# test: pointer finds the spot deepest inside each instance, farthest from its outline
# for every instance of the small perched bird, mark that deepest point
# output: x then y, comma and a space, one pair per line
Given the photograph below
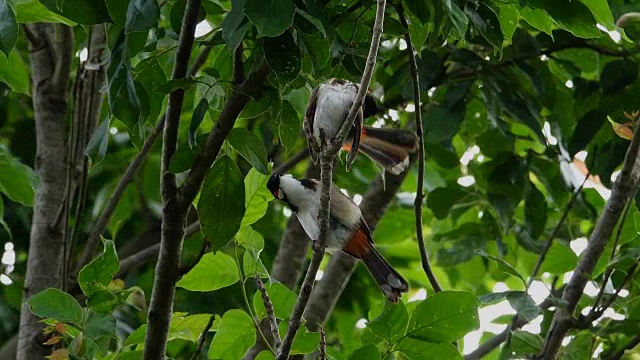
327, 109
348, 230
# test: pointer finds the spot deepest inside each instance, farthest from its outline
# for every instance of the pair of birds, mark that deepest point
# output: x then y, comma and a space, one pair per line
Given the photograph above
328, 107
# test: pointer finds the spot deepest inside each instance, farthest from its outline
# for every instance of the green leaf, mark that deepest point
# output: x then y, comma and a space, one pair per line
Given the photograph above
56, 304
257, 197
235, 25
559, 260
249, 238
17, 181
538, 18
271, 17
142, 15
572, 16
580, 347
176, 84
457, 17
196, 119
369, 352
97, 145
492, 142
617, 74
8, 28
524, 305
212, 272
416, 349
535, 210
97, 325
282, 298
102, 301
442, 121
304, 342
525, 343
289, 126
391, 325
283, 56
235, 335
188, 327
221, 205
486, 21
508, 17
98, 273
252, 264
601, 11
503, 265
250, 147
32, 11
586, 128
123, 99
85, 12
445, 317
14, 73
441, 200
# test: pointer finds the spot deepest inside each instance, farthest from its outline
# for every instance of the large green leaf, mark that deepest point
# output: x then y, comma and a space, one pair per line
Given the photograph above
457, 17
99, 324
235, 25
124, 102
572, 16
235, 335
221, 205
98, 273
524, 343
56, 304
441, 200
212, 272
369, 352
14, 72
391, 325
142, 15
271, 17
289, 126
85, 12
416, 349
257, 196
560, 259
486, 21
17, 181
503, 265
535, 210
250, 147
444, 317
32, 11
580, 347
8, 28
283, 56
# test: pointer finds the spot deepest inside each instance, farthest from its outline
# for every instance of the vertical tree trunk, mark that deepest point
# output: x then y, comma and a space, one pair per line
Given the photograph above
50, 51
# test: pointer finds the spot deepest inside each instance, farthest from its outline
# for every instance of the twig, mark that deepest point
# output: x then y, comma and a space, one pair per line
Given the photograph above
323, 344
326, 169
625, 186
413, 66
173, 217
203, 338
271, 316
292, 162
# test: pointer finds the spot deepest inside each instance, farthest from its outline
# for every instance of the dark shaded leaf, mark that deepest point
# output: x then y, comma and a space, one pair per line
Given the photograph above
617, 74
250, 147
142, 15
289, 126
196, 119
221, 204
97, 146
524, 305
503, 265
271, 17
85, 12
235, 25
535, 210
283, 56
485, 20
97, 325
8, 28
123, 99
175, 84
441, 200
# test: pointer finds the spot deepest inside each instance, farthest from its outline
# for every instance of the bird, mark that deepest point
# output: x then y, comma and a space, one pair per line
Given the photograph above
348, 231
327, 110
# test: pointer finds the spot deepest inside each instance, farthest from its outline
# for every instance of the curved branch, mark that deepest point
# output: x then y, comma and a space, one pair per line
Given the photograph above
413, 66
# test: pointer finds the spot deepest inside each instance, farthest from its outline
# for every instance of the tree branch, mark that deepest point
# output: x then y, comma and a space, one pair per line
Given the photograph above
625, 186
618, 354
50, 53
268, 306
173, 218
203, 338
413, 66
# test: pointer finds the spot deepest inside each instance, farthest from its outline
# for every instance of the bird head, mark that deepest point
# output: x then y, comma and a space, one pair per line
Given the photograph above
293, 192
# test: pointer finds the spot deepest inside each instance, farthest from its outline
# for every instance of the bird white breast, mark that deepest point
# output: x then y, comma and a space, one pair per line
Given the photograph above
333, 104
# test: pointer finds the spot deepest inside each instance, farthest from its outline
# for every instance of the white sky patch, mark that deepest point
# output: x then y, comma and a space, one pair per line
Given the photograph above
361, 324
5, 280
378, 123
590, 289
480, 158
487, 315
614, 175
578, 245
394, 115
567, 340
546, 130
538, 291
344, 191
624, 293
598, 351
544, 57
402, 45
83, 54
410, 108
420, 295
500, 287
319, 275
569, 84
388, 43
287, 212
534, 326
203, 28
469, 155
406, 198
113, 130
8, 257
613, 34
466, 181
357, 198
431, 91
567, 276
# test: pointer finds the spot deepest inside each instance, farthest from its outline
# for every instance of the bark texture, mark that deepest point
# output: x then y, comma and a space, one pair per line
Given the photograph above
50, 52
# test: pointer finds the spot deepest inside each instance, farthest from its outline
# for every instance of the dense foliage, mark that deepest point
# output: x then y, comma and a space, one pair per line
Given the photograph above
520, 101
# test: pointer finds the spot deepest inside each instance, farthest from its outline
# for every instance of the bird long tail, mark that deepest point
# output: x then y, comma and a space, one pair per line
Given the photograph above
388, 147
391, 283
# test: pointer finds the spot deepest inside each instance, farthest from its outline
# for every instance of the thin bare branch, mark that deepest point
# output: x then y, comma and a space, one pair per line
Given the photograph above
271, 316
323, 344
203, 338
413, 66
